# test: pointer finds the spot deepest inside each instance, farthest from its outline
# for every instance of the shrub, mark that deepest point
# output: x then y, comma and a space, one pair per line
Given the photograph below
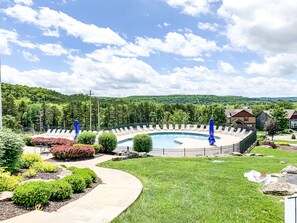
142, 143
41, 141
27, 160
11, 149
27, 140
30, 173
96, 148
108, 141
8, 182
283, 144
32, 193
87, 178
45, 167
72, 152
86, 138
293, 136
77, 183
270, 143
60, 190
87, 171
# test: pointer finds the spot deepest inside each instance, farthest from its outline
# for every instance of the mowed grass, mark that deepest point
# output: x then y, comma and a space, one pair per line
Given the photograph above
200, 190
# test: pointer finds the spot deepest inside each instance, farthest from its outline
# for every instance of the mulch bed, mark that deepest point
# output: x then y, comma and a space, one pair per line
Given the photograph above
9, 210
288, 148
43, 176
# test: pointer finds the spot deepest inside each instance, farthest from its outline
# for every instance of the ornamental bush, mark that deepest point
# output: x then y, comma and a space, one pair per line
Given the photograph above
30, 173
87, 171
87, 178
45, 167
8, 182
108, 141
77, 183
27, 160
60, 190
142, 143
27, 140
11, 149
96, 147
41, 141
86, 138
72, 152
293, 136
32, 193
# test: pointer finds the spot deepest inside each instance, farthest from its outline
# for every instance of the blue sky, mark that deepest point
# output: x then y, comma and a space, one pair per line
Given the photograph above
151, 47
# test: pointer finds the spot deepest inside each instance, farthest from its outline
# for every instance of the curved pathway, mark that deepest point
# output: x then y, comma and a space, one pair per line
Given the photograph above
105, 202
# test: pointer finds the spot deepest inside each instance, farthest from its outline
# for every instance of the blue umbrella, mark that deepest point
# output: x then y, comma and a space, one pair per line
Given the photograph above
211, 137
76, 128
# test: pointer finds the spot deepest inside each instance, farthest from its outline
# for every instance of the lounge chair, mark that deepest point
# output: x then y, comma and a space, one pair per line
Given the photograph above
242, 132
118, 132
182, 127
72, 134
114, 131
176, 127
231, 131
151, 128
201, 128
237, 132
131, 129
220, 128
165, 127
47, 132
53, 132
158, 128
123, 131
139, 129
188, 127
144, 128
170, 127
194, 128
226, 130
127, 130
57, 133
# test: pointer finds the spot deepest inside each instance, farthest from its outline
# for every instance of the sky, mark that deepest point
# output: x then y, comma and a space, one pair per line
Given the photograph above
151, 47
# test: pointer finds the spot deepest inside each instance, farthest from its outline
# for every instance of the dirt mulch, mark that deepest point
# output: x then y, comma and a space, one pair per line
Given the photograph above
75, 160
9, 210
43, 176
288, 148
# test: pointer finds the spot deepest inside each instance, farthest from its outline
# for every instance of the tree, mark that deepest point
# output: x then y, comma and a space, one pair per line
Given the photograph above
281, 116
179, 117
271, 126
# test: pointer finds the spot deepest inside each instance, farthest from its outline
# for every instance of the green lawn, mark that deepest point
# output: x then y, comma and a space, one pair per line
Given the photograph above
200, 190
287, 141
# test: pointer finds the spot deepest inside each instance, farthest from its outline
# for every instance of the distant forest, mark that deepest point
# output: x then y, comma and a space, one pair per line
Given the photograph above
27, 108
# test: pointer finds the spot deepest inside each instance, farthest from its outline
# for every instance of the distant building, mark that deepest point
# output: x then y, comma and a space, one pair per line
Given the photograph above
243, 118
266, 114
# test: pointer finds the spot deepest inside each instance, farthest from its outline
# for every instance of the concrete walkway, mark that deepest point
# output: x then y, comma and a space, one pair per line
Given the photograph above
105, 202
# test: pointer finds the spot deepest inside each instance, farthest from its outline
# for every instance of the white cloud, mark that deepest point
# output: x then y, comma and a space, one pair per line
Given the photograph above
213, 27
225, 67
7, 37
30, 57
52, 49
267, 26
191, 7
25, 2
50, 21
278, 65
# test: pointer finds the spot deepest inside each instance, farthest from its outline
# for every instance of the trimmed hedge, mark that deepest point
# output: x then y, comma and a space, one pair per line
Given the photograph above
45, 167
27, 140
32, 193
60, 190
86, 171
27, 160
86, 138
72, 152
142, 143
108, 141
11, 149
41, 141
8, 182
77, 183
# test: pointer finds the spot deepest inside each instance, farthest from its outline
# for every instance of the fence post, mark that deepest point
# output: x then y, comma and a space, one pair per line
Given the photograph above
233, 147
221, 149
204, 151
163, 152
184, 152
127, 148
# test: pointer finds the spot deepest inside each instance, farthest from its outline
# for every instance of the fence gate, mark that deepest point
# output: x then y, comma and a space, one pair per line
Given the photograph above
291, 209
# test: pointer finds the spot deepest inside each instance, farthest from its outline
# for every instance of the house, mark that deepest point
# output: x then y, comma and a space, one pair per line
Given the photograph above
266, 114
243, 118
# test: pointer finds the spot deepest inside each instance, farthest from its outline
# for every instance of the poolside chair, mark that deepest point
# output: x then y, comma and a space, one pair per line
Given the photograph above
139, 129
188, 127
114, 131
122, 131
226, 130
151, 128
206, 128
231, 131
72, 134
170, 127
127, 130
165, 127
158, 128
57, 133
220, 128
242, 132
144, 128
52, 132
201, 128
237, 132
194, 128
47, 132
118, 132
131, 129
182, 127
176, 127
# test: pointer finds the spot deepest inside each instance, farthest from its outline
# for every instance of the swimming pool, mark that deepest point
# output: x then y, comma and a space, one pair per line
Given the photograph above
167, 139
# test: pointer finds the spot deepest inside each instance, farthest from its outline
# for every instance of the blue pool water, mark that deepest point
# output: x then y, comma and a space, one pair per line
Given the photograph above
167, 139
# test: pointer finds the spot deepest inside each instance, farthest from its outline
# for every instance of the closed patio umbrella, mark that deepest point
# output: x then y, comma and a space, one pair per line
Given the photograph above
211, 137
76, 128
